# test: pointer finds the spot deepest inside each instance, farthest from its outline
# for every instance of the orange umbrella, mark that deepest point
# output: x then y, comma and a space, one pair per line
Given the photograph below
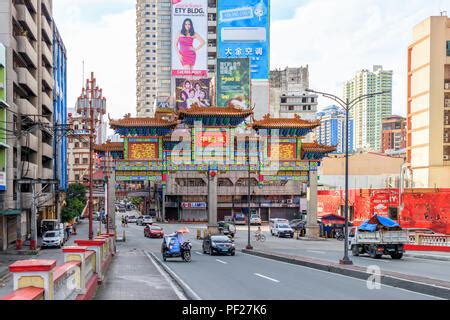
183, 230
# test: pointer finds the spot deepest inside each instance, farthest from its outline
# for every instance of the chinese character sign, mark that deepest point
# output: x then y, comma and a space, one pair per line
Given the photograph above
191, 92
143, 151
189, 36
233, 82
243, 31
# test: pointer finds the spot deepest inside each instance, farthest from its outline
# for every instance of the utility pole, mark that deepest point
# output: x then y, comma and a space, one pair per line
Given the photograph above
18, 190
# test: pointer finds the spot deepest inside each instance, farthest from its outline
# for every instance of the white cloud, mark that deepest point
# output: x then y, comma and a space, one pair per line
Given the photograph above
337, 38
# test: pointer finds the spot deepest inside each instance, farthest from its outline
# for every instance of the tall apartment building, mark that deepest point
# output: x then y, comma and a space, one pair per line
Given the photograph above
154, 52
26, 32
368, 114
288, 96
428, 121
332, 129
393, 135
60, 110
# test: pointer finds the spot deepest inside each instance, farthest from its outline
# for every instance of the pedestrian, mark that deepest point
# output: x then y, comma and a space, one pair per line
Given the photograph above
67, 232
123, 222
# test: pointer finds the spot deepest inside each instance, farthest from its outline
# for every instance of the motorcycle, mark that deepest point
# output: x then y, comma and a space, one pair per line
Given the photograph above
171, 248
340, 235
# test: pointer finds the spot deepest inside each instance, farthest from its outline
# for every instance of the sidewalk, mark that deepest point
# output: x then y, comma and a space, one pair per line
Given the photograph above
133, 276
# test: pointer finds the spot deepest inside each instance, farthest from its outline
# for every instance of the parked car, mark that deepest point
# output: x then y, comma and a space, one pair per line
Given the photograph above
54, 238
282, 230
122, 209
131, 219
219, 245
144, 220
239, 218
153, 231
227, 228
255, 219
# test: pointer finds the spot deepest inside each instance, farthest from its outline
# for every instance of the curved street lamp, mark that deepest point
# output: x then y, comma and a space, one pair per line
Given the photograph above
347, 105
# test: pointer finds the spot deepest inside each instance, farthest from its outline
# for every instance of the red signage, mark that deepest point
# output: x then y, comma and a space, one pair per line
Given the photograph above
212, 139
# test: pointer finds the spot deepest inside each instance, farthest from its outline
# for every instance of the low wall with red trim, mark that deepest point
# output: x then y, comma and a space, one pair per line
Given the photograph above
415, 247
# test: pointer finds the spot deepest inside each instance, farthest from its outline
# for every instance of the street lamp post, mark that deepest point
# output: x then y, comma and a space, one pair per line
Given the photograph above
247, 146
347, 106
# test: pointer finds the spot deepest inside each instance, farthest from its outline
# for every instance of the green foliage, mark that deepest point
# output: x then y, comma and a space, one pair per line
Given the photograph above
76, 202
136, 201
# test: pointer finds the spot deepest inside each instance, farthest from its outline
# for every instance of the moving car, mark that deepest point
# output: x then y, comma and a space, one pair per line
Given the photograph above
273, 221
54, 238
282, 230
255, 219
227, 228
239, 218
153, 232
219, 245
131, 219
144, 220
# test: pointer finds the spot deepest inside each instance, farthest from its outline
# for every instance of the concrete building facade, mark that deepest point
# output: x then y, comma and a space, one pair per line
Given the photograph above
428, 121
332, 128
78, 149
368, 114
26, 30
288, 96
393, 134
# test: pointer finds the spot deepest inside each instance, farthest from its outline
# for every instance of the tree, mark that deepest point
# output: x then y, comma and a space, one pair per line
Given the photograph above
136, 201
75, 202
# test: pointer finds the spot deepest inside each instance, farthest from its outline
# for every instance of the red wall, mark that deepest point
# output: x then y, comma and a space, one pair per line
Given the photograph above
422, 208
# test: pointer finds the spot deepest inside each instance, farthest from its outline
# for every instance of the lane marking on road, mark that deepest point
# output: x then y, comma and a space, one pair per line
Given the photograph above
199, 253
178, 292
319, 252
176, 278
341, 275
262, 276
223, 262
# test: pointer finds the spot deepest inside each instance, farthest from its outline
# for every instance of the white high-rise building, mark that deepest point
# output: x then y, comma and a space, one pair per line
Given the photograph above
368, 114
153, 52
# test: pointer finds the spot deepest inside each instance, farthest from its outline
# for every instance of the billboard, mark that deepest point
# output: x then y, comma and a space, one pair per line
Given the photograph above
189, 36
243, 31
233, 82
190, 92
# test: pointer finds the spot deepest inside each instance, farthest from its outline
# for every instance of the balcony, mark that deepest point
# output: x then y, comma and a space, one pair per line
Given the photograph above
46, 8
25, 19
27, 51
46, 30
47, 78
47, 150
212, 23
30, 141
30, 170
26, 107
47, 101
27, 81
32, 4
47, 173
47, 54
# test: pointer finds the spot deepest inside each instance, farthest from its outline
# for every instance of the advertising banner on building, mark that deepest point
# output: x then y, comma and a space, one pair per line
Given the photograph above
189, 36
233, 82
191, 92
244, 32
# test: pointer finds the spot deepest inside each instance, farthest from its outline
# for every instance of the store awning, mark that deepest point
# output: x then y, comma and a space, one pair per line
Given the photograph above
9, 212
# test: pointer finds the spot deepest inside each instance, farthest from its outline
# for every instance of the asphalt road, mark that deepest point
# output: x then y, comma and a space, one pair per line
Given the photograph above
246, 277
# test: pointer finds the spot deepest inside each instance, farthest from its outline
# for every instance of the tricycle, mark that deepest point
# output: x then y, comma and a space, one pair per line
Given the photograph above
173, 248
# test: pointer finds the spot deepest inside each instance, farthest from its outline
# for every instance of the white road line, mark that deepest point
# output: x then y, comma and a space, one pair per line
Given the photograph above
319, 252
223, 262
175, 288
199, 253
260, 275
178, 279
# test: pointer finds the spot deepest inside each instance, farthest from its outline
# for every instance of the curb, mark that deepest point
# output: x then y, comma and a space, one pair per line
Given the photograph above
3, 273
190, 295
418, 285
427, 257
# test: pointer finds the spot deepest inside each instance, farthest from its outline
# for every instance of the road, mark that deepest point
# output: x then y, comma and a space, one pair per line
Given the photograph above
246, 277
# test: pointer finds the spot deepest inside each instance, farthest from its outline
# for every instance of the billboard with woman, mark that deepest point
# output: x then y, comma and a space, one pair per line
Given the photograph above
189, 36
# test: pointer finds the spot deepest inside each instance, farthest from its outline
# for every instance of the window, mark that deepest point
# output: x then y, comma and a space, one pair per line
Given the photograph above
85, 160
77, 161
448, 48
77, 177
77, 144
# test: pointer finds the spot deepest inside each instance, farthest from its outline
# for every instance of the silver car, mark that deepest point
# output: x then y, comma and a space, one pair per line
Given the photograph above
54, 238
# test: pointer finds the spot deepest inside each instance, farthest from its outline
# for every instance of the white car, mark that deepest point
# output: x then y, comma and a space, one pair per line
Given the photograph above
131, 219
255, 219
144, 220
282, 230
54, 238
274, 221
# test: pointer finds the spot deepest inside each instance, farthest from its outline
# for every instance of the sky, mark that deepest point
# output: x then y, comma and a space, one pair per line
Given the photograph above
335, 38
